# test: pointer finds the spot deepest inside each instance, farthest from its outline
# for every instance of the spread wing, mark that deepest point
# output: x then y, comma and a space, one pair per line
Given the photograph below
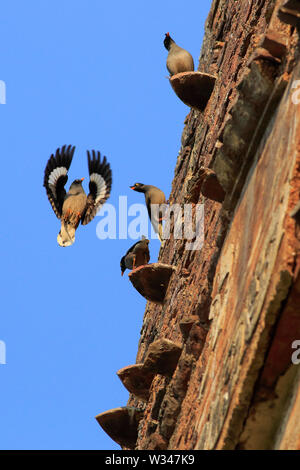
99, 186
56, 176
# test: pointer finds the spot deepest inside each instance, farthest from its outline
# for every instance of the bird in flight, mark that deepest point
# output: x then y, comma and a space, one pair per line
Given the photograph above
75, 206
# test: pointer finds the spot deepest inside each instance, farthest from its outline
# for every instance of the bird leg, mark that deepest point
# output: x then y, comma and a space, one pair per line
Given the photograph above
133, 262
163, 214
67, 214
78, 217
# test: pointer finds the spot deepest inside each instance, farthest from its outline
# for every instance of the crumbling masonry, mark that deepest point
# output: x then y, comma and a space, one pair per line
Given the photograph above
214, 366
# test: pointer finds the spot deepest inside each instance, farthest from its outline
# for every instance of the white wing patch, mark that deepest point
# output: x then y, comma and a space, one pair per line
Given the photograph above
53, 177
101, 186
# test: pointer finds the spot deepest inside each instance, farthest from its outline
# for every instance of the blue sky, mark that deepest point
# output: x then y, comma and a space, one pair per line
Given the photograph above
91, 74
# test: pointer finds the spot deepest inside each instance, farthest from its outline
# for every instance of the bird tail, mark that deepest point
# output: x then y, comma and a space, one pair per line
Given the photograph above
160, 231
66, 236
158, 228
158, 214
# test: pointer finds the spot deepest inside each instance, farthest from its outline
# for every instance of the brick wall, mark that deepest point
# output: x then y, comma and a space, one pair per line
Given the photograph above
234, 306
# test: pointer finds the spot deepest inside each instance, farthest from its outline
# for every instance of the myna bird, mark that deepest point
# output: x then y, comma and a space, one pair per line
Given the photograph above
75, 206
136, 256
178, 60
153, 195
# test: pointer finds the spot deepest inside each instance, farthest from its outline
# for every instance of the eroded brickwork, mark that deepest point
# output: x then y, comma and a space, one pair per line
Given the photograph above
233, 306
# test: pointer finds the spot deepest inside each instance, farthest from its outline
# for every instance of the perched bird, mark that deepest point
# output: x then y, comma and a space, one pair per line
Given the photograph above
178, 60
136, 256
153, 195
75, 206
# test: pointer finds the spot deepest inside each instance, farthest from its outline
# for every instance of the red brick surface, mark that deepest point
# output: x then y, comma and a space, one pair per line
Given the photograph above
233, 306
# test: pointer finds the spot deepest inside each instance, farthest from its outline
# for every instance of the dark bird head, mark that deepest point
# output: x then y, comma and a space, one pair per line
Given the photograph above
76, 187
77, 182
123, 265
139, 187
168, 41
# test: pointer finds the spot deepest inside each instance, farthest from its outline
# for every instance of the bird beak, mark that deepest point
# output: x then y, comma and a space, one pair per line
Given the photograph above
132, 187
82, 179
122, 273
167, 34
